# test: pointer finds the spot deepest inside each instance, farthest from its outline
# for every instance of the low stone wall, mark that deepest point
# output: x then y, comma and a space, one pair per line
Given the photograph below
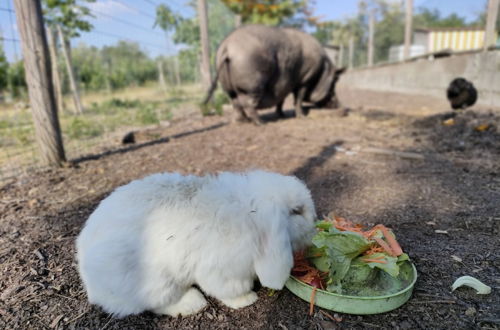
432, 77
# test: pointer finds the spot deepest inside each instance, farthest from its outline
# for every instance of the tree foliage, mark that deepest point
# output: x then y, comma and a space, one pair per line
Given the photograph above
117, 66
272, 12
166, 19
71, 15
4, 68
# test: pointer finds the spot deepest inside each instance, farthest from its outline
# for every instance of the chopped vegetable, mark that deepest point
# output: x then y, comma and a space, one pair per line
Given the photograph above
344, 253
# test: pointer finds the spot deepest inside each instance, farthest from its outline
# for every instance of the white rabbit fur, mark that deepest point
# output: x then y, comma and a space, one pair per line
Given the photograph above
150, 241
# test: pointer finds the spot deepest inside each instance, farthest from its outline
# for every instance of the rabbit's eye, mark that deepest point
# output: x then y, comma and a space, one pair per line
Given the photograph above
299, 210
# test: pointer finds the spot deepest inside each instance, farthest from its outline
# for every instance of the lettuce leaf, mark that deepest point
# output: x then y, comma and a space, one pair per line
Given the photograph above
339, 253
339, 248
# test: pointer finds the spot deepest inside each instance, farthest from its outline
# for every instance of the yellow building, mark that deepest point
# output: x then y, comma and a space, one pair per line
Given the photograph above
456, 39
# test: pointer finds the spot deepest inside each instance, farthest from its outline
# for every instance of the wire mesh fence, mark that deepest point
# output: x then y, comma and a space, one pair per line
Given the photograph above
129, 73
137, 63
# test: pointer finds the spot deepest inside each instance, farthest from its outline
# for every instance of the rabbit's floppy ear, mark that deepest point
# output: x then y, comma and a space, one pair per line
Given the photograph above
274, 258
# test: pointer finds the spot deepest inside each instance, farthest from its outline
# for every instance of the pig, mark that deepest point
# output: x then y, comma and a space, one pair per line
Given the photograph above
258, 66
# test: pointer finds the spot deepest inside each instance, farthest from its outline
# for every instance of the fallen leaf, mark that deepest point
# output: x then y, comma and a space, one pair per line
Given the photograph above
458, 259
471, 282
252, 147
430, 223
449, 122
482, 127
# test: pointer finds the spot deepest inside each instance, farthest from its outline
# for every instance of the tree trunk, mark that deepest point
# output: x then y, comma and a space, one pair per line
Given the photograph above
237, 21
340, 59
371, 34
71, 72
161, 77
205, 44
491, 19
38, 78
408, 28
177, 72
52, 40
109, 88
351, 52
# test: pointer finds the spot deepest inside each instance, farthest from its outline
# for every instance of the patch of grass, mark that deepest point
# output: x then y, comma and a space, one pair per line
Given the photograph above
22, 134
147, 115
4, 124
215, 106
113, 105
80, 127
119, 103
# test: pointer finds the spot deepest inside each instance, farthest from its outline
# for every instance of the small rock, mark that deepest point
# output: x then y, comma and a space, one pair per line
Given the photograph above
32, 203
210, 316
470, 311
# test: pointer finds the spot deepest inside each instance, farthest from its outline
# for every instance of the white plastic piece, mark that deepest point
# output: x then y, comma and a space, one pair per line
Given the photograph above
472, 282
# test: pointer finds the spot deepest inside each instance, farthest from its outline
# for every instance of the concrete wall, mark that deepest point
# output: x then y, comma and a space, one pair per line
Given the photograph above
432, 77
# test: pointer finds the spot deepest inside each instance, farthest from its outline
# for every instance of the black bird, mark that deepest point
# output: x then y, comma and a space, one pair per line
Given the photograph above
461, 93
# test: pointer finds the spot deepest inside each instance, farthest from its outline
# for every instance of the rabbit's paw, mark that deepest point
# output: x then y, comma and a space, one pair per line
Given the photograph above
241, 301
190, 303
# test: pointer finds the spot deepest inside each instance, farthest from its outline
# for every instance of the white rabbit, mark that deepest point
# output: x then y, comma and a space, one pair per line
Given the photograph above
150, 241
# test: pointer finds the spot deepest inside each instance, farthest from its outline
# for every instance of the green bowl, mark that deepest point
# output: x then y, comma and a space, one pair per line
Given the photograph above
355, 304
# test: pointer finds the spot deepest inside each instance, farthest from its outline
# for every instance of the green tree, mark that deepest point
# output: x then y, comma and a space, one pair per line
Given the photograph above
16, 79
4, 68
166, 19
272, 12
71, 15
112, 67
431, 18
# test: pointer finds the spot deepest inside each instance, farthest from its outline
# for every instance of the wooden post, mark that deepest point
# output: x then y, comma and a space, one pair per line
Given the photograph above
371, 34
52, 40
408, 28
491, 19
205, 44
341, 56
237, 21
351, 52
41, 91
71, 73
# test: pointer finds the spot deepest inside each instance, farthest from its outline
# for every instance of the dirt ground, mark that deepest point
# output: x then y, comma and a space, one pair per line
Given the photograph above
442, 200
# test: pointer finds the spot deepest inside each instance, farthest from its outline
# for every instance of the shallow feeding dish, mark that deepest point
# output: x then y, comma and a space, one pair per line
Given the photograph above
392, 293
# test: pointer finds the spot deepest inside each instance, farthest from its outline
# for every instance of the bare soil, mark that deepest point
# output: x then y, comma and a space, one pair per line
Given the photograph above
443, 202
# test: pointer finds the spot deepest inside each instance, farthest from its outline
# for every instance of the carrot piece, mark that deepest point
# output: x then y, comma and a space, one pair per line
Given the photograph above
384, 245
311, 305
374, 249
378, 257
395, 247
375, 260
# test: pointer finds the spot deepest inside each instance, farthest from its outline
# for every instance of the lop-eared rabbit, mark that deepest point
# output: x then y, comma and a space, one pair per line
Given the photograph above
150, 241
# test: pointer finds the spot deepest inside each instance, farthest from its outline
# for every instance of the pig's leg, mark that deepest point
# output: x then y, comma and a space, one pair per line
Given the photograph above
252, 113
299, 97
251, 109
279, 109
240, 116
